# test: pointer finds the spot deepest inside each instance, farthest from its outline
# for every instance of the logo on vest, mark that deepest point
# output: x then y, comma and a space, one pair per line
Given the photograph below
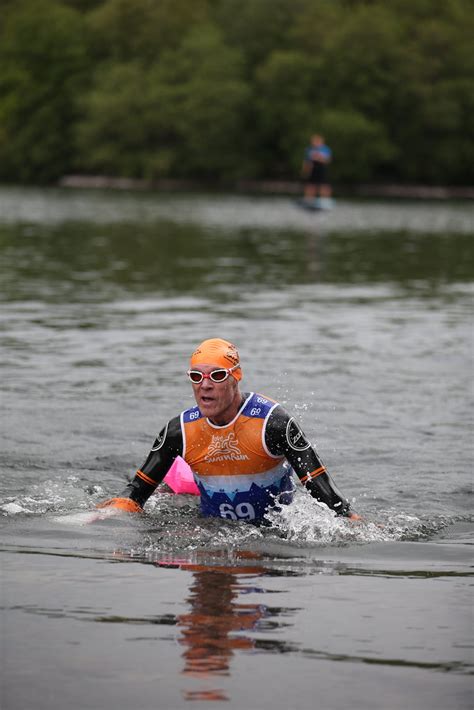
224, 448
160, 439
295, 436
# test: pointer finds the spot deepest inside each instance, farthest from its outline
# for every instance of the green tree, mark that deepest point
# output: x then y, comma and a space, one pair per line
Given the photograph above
434, 129
360, 144
257, 27
126, 30
181, 116
43, 61
115, 136
209, 98
283, 105
231, 88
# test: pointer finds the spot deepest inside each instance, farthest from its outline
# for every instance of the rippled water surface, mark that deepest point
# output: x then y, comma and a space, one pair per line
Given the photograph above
360, 322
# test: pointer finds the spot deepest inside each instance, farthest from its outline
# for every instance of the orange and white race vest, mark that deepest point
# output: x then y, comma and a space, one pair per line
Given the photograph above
237, 476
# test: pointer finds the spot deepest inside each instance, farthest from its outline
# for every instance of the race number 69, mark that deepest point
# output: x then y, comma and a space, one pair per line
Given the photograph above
242, 511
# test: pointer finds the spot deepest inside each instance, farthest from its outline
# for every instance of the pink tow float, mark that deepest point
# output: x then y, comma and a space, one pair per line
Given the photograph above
180, 478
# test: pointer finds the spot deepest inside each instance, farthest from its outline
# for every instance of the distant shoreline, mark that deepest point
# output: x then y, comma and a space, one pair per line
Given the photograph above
270, 187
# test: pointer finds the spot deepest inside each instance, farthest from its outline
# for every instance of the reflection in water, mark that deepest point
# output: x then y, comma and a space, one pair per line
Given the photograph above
84, 262
316, 254
211, 631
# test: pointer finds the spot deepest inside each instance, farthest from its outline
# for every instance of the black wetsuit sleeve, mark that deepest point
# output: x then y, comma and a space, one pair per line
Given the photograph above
167, 446
284, 437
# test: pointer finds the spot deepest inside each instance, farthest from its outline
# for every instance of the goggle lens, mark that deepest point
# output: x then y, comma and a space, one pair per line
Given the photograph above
197, 377
219, 375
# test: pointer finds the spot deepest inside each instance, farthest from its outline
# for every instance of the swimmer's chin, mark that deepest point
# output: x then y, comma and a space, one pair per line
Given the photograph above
207, 407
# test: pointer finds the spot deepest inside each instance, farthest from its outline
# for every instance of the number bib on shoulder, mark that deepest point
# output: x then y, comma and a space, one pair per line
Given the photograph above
237, 476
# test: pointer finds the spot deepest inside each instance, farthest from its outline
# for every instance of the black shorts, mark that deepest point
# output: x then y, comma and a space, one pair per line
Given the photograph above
318, 174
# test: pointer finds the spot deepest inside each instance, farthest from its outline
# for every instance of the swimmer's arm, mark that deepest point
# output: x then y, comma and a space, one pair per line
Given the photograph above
167, 446
283, 436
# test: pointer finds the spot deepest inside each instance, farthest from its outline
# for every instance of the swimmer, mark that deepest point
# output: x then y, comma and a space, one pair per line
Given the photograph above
242, 447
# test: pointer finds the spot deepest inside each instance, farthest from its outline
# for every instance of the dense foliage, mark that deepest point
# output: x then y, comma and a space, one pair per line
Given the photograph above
229, 89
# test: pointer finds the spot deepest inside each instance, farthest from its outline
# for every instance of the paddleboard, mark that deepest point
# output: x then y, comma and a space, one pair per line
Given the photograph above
315, 205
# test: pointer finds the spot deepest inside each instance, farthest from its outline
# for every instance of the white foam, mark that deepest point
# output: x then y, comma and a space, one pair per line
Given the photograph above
87, 517
308, 521
14, 509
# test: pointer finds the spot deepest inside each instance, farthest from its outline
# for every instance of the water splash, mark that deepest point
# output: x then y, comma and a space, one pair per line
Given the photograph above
173, 522
308, 522
60, 495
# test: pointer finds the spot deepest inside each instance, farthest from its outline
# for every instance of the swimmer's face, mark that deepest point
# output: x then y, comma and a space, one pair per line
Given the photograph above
218, 401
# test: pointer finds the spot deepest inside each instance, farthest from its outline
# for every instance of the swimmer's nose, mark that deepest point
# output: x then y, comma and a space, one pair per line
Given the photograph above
206, 384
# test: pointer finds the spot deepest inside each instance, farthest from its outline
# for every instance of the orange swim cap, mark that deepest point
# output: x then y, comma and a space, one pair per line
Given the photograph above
216, 351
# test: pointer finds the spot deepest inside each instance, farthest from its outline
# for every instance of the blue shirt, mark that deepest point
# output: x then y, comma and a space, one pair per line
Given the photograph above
320, 153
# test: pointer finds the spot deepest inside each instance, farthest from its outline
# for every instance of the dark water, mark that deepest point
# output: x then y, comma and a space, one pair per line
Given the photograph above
360, 322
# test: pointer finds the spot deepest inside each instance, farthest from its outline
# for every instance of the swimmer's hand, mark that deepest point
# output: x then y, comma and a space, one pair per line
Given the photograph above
126, 505
346, 512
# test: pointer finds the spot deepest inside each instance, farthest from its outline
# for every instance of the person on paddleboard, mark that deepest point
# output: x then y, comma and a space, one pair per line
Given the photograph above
316, 161
242, 448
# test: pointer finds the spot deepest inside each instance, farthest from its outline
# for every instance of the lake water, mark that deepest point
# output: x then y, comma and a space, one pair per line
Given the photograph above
360, 322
